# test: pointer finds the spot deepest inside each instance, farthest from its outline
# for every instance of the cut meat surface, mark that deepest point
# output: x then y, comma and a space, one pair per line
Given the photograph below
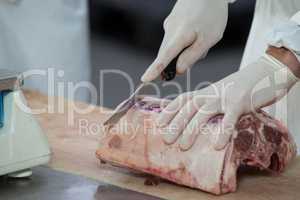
136, 143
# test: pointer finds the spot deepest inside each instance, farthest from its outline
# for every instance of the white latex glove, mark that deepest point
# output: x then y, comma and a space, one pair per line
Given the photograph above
196, 25
242, 92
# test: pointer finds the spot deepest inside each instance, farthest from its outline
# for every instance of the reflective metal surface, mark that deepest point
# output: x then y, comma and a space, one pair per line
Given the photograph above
10, 80
48, 184
122, 109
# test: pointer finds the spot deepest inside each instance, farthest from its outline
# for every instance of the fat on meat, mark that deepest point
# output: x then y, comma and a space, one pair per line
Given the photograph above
136, 143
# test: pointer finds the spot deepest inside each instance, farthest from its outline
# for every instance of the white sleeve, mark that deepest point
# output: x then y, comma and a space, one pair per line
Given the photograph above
287, 35
296, 18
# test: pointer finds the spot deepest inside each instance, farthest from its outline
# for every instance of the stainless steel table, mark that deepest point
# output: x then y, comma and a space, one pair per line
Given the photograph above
48, 184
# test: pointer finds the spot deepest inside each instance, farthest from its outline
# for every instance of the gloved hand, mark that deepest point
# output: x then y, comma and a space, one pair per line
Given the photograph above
192, 28
237, 94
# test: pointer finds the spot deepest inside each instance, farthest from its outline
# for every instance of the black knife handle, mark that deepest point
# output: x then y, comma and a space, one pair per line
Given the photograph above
169, 72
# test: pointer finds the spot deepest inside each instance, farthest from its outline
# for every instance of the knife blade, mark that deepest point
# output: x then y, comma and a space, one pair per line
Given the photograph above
168, 74
122, 109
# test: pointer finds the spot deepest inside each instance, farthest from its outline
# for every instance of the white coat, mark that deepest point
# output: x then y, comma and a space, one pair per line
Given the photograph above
38, 34
269, 14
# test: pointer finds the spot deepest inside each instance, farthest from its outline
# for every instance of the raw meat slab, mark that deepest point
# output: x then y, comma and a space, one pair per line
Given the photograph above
136, 143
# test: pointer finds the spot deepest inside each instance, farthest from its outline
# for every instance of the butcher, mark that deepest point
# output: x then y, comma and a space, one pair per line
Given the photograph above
268, 76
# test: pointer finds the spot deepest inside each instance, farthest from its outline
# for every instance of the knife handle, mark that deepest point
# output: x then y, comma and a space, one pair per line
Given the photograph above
169, 72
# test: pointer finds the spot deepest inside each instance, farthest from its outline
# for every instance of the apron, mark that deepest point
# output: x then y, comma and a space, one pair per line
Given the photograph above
42, 34
268, 14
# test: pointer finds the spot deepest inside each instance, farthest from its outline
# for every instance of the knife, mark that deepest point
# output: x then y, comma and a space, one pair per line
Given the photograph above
168, 74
